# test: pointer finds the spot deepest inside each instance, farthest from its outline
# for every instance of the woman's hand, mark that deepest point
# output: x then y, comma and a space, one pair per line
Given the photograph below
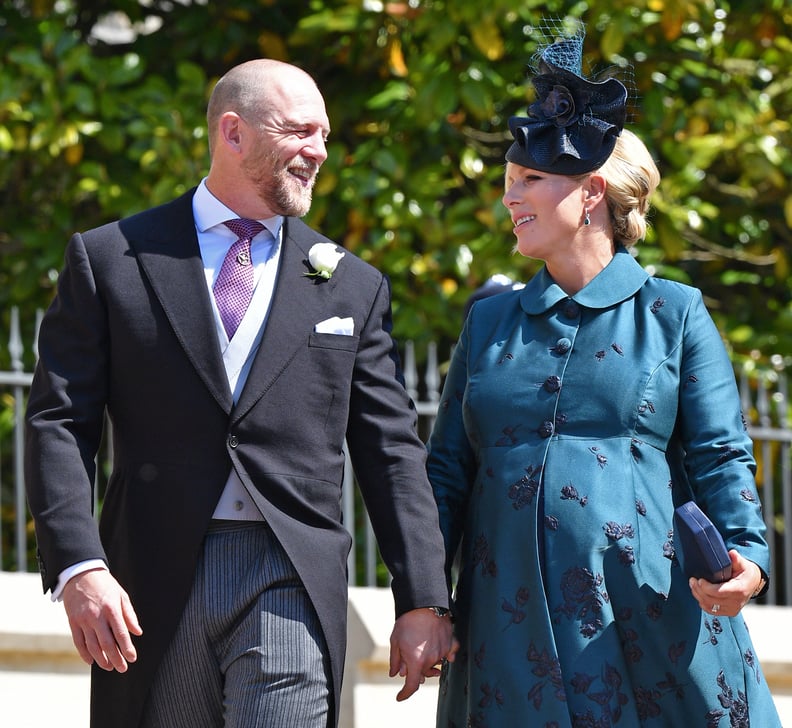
728, 598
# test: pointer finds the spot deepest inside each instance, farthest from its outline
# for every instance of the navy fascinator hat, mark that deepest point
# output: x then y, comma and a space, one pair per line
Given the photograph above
572, 126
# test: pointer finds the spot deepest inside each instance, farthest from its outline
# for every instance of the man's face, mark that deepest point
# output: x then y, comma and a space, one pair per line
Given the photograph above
289, 147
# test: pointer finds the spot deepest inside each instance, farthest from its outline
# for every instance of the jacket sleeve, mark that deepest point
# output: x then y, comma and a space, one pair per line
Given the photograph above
65, 415
389, 461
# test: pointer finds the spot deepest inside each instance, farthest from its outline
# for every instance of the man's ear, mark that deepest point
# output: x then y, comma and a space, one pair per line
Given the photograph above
230, 130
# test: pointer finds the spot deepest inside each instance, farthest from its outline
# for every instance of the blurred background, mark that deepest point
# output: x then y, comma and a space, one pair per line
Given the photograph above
102, 114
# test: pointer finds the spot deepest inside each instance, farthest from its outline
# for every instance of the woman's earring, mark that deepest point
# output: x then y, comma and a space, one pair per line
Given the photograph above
587, 219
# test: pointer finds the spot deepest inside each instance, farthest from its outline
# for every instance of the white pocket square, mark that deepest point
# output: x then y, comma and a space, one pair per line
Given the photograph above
335, 325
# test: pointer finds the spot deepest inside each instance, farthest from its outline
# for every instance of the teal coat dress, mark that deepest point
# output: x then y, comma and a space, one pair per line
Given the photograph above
550, 461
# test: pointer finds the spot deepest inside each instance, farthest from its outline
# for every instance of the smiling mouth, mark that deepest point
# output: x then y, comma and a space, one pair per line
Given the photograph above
524, 219
305, 175
303, 179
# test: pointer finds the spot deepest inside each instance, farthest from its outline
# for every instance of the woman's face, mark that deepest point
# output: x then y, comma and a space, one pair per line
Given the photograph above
547, 210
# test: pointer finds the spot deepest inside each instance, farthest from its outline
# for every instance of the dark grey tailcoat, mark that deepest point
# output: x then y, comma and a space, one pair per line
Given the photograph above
131, 331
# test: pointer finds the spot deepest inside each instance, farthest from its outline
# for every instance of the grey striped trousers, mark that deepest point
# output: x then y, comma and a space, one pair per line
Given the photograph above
249, 652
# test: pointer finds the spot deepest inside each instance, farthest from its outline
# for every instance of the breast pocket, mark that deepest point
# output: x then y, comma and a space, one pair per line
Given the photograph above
334, 341
331, 365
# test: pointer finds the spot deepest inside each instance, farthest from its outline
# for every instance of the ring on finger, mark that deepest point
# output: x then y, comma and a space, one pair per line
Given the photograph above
715, 608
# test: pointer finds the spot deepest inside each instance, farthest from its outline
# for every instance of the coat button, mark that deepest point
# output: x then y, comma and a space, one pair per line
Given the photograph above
233, 441
563, 346
546, 429
571, 309
552, 383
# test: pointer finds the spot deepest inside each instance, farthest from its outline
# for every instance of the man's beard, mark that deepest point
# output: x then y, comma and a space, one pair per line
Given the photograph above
283, 193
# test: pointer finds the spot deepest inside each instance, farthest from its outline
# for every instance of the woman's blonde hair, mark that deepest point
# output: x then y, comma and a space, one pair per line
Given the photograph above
632, 176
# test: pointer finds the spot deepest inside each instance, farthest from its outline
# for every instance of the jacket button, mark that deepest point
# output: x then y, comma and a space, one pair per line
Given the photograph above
571, 309
563, 346
552, 383
546, 429
233, 441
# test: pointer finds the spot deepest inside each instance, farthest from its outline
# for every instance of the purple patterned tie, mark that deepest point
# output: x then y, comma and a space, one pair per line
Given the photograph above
234, 285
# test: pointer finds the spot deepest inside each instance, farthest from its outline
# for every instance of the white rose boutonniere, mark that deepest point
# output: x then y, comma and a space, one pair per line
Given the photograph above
323, 258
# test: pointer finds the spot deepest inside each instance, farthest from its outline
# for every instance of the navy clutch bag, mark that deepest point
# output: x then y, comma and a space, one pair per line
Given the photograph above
698, 545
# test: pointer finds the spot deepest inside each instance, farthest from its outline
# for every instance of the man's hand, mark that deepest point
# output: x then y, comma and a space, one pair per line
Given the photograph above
420, 641
101, 618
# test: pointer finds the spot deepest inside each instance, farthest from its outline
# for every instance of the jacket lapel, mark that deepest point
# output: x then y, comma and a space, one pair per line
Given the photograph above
298, 303
167, 247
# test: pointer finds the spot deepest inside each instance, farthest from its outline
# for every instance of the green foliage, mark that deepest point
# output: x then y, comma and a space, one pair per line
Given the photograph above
418, 94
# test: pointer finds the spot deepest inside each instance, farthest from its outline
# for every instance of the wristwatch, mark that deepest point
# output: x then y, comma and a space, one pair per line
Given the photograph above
440, 611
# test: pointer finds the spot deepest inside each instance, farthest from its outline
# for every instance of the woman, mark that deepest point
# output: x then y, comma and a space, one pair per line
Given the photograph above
552, 455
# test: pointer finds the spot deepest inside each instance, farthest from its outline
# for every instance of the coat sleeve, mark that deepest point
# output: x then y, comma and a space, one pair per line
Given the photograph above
64, 420
451, 460
389, 459
718, 452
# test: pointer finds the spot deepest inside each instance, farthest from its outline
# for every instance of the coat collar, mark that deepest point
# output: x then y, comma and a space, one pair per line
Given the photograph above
618, 281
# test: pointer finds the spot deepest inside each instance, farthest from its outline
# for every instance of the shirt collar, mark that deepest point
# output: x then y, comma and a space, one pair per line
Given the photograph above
208, 212
618, 281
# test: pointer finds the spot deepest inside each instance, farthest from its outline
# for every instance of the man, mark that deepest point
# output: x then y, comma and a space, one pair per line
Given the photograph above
213, 592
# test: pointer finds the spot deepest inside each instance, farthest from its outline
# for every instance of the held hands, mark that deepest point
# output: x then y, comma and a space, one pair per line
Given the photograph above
728, 598
420, 641
101, 618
